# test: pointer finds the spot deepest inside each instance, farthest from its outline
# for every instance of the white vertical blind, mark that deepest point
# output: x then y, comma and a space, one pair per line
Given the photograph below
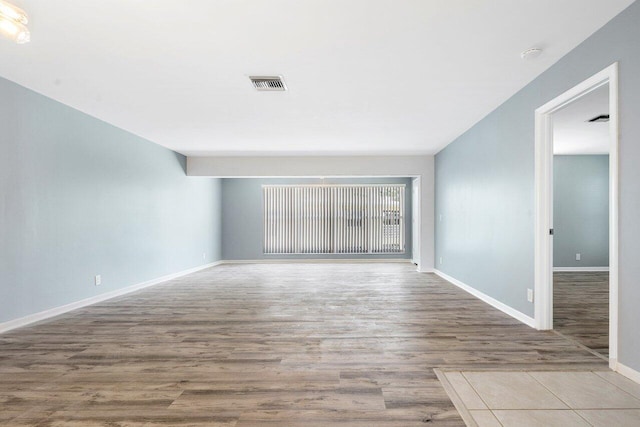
316, 219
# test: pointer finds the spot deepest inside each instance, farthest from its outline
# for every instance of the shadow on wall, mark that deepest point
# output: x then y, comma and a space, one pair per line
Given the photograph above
181, 160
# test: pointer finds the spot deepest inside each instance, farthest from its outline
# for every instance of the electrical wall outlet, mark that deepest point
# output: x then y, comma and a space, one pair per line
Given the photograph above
578, 256
204, 256
98, 280
440, 260
530, 295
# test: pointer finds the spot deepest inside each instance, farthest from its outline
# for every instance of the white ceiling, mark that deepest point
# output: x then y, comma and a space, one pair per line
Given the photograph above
365, 76
572, 132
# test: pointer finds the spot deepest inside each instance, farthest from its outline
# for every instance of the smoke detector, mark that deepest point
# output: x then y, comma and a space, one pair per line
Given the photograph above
268, 83
532, 53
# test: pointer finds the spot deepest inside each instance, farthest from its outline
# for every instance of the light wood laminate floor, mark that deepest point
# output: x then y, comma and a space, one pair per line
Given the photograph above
268, 345
581, 308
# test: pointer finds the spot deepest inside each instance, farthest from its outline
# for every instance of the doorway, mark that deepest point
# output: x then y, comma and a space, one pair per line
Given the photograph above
573, 226
581, 221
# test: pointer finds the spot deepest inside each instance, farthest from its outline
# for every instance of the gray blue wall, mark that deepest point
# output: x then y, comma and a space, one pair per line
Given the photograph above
79, 197
581, 211
242, 217
485, 182
484, 209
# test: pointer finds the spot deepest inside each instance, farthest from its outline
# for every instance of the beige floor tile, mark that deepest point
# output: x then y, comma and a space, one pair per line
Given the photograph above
586, 390
621, 381
612, 417
512, 390
540, 418
485, 418
464, 390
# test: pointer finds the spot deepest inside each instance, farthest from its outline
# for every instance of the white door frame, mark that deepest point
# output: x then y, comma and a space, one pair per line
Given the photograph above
415, 221
544, 202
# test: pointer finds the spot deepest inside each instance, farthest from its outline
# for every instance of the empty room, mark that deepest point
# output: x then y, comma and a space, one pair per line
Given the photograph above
319, 213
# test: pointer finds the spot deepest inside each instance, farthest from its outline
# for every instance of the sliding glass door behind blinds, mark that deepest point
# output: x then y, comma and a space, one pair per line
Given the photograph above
319, 219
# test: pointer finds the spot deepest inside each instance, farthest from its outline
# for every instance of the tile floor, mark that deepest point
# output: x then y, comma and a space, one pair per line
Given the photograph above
549, 399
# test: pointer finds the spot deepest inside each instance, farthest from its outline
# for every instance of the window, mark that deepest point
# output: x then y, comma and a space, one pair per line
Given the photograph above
342, 219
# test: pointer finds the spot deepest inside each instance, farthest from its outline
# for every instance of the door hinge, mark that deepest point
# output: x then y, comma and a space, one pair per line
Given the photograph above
551, 231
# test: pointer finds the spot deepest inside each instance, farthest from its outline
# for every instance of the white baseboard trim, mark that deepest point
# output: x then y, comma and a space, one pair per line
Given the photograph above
626, 371
426, 270
314, 261
529, 321
52, 312
579, 269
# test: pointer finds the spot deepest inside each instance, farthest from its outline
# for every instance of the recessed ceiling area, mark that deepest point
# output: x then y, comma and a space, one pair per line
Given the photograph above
362, 76
573, 133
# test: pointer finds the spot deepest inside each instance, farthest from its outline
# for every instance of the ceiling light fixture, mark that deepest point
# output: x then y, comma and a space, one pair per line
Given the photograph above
532, 53
13, 23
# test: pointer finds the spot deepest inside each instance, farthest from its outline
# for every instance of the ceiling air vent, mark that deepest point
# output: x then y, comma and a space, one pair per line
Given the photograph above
268, 83
599, 119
